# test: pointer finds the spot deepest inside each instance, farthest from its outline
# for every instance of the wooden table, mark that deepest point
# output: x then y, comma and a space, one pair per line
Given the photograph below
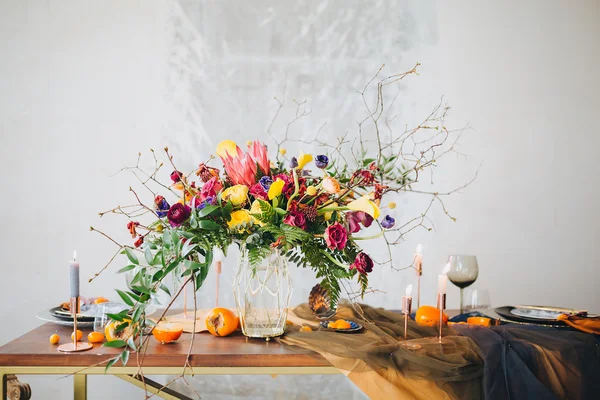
32, 354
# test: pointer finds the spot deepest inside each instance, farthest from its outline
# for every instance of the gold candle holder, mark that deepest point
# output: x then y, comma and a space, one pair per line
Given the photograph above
75, 346
406, 308
441, 304
419, 269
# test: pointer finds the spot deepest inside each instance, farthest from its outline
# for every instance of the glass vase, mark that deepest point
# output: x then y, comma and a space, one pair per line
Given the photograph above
263, 289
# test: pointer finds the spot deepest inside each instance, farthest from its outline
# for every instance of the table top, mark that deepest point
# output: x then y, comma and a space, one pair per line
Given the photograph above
35, 349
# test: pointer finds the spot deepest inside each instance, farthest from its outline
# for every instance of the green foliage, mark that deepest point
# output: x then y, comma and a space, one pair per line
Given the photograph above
267, 213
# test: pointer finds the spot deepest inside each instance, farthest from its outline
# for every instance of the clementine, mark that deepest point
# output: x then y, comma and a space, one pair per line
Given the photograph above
54, 339
79, 335
221, 322
306, 328
95, 337
429, 316
100, 300
167, 332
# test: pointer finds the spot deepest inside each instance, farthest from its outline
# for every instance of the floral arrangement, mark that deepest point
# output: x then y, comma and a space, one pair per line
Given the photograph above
311, 209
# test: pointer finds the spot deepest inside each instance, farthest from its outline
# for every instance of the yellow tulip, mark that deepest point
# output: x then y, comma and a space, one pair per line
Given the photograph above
255, 209
365, 204
227, 147
276, 188
236, 194
239, 220
311, 190
304, 159
328, 214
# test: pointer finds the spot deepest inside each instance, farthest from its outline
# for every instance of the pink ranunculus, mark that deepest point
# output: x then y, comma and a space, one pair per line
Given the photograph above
296, 219
211, 188
178, 214
258, 191
336, 236
362, 263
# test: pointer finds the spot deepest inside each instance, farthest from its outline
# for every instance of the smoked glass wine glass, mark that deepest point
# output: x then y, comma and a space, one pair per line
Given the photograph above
463, 272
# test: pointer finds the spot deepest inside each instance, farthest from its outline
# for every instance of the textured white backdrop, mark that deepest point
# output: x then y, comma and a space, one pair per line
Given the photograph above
84, 87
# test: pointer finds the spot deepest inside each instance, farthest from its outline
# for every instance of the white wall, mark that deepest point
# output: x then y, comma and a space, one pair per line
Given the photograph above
84, 87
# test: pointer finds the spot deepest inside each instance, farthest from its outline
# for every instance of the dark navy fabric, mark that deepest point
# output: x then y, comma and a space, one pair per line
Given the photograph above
511, 354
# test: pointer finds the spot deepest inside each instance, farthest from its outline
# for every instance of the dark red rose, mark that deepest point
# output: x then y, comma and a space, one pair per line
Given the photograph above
336, 236
178, 214
139, 241
297, 219
258, 191
211, 188
362, 263
176, 176
131, 225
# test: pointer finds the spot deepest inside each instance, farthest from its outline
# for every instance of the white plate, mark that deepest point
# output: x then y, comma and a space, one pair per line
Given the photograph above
536, 313
47, 317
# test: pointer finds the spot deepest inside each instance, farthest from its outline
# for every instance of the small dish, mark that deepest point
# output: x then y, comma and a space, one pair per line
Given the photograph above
354, 327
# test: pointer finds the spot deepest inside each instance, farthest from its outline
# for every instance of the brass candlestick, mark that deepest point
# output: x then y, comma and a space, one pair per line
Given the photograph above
406, 307
441, 303
419, 269
75, 346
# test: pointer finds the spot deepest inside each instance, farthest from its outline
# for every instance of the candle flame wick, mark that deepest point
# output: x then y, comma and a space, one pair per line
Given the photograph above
408, 290
74, 255
419, 249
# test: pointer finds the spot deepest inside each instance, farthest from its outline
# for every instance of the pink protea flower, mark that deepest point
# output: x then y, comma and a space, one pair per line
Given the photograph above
258, 151
242, 168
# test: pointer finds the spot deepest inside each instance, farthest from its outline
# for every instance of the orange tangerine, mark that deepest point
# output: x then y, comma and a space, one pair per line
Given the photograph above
54, 339
79, 335
306, 328
95, 337
222, 322
167, 332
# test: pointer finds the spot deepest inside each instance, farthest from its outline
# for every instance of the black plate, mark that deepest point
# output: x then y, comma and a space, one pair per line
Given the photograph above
506, 313
59, 312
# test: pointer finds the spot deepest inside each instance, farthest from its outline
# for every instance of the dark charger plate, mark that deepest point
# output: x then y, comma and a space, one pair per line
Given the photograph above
505, 312
60, 313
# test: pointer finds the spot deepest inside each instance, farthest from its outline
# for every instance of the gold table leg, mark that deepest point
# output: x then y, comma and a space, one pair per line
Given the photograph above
79, 387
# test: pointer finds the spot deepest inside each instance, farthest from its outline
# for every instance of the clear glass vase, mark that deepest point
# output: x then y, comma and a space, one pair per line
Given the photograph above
262, 290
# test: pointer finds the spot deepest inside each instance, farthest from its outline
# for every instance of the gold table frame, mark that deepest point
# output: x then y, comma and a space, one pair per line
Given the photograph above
128, 374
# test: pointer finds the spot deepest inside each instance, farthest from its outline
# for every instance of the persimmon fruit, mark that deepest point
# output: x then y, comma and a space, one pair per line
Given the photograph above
429, 316
222, 322
167, 332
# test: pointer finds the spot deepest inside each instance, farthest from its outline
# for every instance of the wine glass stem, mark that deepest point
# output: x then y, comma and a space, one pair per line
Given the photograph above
461, 300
